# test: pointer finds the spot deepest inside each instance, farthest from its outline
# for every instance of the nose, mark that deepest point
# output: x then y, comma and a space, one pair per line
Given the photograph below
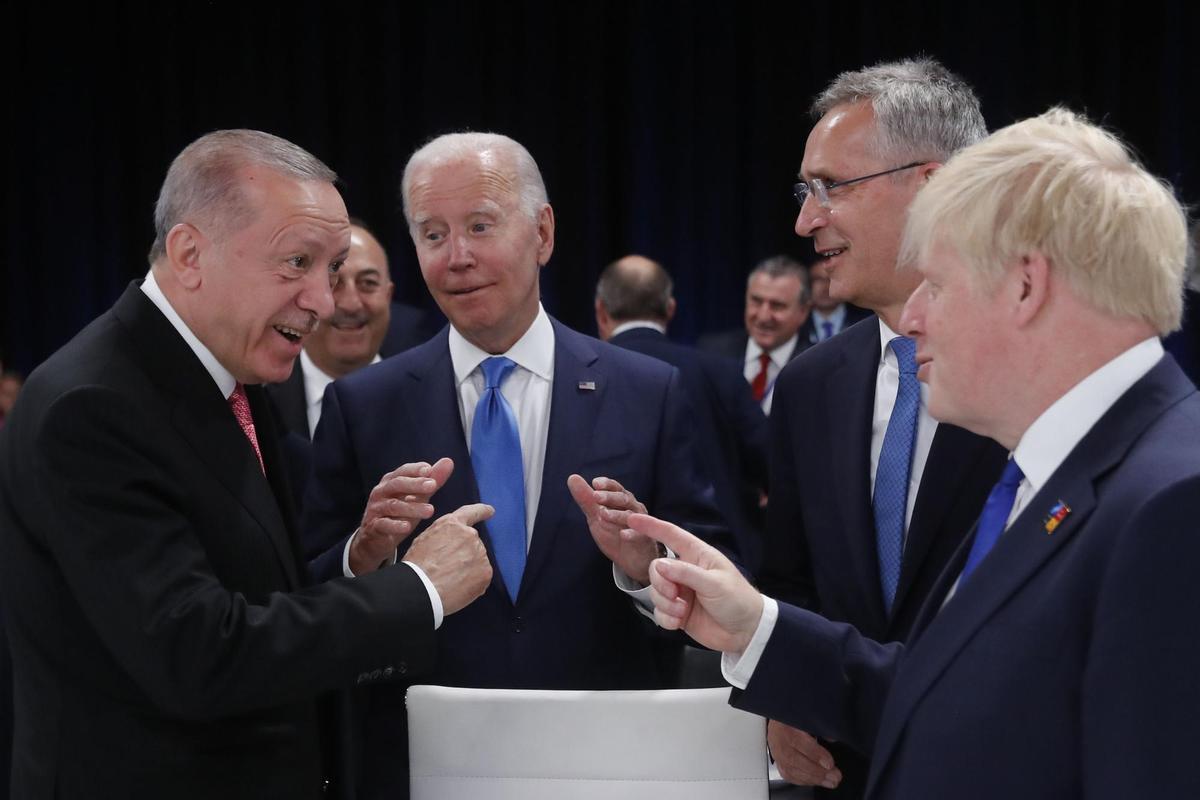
345, 296
460, 252
811, 217
912, 318
316, 294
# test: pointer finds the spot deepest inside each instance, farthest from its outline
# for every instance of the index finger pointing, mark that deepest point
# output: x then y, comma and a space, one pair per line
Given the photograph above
686, 546
473, 513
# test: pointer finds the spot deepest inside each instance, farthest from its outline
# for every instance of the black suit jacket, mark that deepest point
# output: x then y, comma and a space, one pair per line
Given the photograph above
163, 642
730, 432
821, 551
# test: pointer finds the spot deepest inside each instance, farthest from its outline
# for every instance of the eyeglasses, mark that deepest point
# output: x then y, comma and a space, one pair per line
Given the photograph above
821, 189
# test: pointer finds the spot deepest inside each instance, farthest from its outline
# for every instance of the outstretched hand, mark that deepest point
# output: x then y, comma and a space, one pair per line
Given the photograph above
607, 506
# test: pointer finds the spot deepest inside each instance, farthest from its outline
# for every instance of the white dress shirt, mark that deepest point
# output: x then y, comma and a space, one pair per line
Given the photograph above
779, 359
315, 381
1039, 453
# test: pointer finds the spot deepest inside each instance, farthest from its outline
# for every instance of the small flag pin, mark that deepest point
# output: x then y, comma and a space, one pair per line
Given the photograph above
1056, 516
587, 386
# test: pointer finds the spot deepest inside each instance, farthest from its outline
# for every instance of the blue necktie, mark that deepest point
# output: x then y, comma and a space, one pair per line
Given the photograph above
995, 515
891, 475
827, 327
500, 473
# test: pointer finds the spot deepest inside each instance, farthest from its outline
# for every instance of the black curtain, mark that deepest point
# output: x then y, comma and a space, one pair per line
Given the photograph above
668, 128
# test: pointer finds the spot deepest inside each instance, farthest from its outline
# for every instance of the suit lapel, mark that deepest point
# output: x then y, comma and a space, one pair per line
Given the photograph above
1022, 550
577, 395
289, 400
850, 407
952, 455
203, 419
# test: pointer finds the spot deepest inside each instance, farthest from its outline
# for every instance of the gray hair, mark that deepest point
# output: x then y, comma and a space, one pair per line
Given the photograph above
923, 111
635, 287
781, 266
203, 179
450, 147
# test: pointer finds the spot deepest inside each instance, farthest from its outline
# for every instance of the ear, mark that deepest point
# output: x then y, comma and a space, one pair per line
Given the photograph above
545, 232
926, 171
603, 321
391, 290
1030, 288
670, 309
183, 248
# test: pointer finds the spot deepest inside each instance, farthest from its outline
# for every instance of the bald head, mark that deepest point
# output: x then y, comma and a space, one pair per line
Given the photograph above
633, 288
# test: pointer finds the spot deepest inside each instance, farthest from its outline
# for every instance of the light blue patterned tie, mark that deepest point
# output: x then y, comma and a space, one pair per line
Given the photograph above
500, 473
827, 327
995, 514
895, 464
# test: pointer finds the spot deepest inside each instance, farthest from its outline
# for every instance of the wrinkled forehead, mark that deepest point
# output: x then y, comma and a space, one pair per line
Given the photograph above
486, 178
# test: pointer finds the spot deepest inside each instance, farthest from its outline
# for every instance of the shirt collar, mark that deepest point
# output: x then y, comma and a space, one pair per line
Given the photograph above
886, 335
534, 351
315, 378
640, 323
779, 355
836, 316
1053, 435
223, 377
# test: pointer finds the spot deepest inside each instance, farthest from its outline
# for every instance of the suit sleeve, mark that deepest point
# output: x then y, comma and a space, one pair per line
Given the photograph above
119, 527
334, 500
685, 495
787, 570
1140, 696
823, 677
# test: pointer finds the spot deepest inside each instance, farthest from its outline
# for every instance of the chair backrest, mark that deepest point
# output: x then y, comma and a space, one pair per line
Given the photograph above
567, 745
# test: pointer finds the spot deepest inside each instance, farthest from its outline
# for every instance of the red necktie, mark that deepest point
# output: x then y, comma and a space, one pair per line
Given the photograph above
241, 409
758, 386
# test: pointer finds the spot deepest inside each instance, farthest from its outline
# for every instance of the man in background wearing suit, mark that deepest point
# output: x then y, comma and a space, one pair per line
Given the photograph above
164, 640
869, 494
1056, 657
634, 305
506, 404
777, 303
827, 317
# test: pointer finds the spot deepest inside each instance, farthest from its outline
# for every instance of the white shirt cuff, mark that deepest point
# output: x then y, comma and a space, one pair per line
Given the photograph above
739, 667
435, 600
640, 595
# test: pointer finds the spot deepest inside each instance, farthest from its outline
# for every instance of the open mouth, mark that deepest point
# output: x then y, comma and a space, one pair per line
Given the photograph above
833, 252
291, 334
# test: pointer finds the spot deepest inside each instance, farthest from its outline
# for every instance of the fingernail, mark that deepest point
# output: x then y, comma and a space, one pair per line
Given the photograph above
428, 484
826, 763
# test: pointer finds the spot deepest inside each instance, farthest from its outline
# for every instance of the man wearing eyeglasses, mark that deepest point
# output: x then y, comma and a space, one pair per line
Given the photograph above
869, 495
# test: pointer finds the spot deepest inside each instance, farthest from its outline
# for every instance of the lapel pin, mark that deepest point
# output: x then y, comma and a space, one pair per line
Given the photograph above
587, 386
1056, 515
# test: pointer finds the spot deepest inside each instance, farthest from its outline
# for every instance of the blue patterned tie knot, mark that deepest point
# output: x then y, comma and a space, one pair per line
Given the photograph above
994, 516
827, 327
890, 500
500, 473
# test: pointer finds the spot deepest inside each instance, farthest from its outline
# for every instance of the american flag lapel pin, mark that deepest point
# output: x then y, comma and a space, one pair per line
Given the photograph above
587, 386
1057, 514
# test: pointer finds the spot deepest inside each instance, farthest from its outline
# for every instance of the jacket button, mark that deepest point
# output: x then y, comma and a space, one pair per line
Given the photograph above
518, 625
402, 668
388, 671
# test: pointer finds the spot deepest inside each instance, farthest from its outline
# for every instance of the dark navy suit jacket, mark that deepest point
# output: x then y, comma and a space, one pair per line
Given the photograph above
1065, 666
730, 432
821, 551
613, 413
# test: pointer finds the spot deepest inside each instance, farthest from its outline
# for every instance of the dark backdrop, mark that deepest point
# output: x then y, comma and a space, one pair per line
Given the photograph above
672, 129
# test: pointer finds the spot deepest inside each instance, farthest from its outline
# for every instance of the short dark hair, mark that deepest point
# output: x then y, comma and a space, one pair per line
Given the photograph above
782, 266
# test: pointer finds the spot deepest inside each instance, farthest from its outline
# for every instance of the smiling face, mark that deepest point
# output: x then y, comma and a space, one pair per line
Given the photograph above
252, 295
773, 309
362, 297
858, 237
479, 252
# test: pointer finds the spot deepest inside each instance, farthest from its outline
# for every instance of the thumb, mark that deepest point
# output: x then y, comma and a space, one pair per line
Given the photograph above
581, 492
473, 513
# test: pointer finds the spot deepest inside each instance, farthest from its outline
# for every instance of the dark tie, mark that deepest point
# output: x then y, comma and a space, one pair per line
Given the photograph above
827, 327
500, 472
758, 386
890, 500
241, 410
994, 517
